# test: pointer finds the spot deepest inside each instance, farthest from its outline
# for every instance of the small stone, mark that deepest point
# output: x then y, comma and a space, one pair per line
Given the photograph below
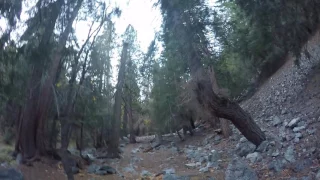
108, 169
243, 139
262, 147
298, 129
289, 154
301, 123
169, 171
92, 168
191, 165
204, 169
276, 121
311, 131
318, 175
198, 163
289, 137
244, 149
129, 170
145, 173
298, 135
254, 157
293, 122
134, 151
276, 153
276, 165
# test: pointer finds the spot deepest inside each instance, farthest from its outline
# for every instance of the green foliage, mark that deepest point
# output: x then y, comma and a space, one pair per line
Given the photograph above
263, 33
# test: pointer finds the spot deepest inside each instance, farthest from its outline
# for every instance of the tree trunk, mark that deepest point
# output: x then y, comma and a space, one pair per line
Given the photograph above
113, 148
131, 122
221, 106
125, 120
225, 127
224, 108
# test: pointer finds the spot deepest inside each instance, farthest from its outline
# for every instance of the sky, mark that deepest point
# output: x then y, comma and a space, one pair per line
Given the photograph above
141, 14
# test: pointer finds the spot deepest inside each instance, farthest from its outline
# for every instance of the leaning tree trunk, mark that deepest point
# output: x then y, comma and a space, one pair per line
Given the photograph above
221, 106
224, 124
113, 148
224, 108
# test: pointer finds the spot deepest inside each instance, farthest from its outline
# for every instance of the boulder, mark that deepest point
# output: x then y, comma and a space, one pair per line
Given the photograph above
238, 169
10, 174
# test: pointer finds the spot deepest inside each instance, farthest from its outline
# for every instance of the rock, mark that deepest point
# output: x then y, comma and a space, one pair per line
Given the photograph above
207, 140
277, 165
283, 111
298, 135
130, 170
262, 147
145, 173
289, 137
276, 121
169, 171
289, 154
244, 149
10, 174
238, 169
311, 131
174, 150
318, 175
217, 138
275, 153
212, 165
310, 177
92, 168
301, 165
302, 123
4, 164
298, 129
108, 169
293, 122
254, 157
214, 156
204, 169
191, 165
243, 139
169, 177
101, 170
134, 151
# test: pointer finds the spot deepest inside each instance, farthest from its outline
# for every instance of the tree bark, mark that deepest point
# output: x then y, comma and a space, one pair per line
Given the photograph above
131, 122
125, 119
225, 127
113, 148
224, 108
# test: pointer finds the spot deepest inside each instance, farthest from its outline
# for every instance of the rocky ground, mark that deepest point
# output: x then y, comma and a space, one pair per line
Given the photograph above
286, 107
